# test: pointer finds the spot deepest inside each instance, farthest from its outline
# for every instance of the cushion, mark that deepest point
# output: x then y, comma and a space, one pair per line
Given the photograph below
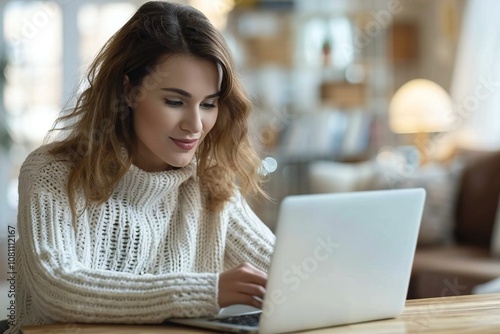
331, 177
478, 200
441, 184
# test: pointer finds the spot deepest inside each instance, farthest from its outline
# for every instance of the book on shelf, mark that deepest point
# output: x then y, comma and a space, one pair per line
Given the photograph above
326, 135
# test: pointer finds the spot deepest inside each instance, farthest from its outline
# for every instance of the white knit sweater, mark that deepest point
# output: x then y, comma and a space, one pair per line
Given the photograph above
149, 253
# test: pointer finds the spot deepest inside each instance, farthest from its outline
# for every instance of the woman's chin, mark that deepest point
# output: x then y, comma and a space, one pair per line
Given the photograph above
179, 164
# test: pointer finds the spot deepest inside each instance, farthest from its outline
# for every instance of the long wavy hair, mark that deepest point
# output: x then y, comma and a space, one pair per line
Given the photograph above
100, 125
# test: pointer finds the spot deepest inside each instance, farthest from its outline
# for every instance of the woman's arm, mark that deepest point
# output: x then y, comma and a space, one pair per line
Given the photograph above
248, 239
63, 289
249, 246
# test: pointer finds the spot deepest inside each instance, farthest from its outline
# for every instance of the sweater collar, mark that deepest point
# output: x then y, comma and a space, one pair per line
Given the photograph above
147, 188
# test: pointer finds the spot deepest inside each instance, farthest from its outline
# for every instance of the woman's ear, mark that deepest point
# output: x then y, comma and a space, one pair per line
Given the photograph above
127, 91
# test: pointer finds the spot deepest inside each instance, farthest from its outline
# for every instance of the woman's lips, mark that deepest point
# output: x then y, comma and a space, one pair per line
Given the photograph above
185, 144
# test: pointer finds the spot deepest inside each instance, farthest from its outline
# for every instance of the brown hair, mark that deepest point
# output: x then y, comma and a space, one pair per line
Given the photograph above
100, 125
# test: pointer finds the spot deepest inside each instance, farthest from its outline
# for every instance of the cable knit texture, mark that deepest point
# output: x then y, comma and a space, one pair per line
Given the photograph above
149, 253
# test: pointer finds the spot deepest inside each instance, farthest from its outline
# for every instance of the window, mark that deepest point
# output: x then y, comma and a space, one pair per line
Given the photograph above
37, 70
333, 33
33, 41
97, 23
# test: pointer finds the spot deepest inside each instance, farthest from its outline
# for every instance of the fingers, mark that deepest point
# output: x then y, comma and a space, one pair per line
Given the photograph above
257, 303
252, 290
251, 274
253, 301
243, 284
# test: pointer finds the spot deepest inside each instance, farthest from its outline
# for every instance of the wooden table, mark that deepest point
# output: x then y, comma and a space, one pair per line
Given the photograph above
461, 314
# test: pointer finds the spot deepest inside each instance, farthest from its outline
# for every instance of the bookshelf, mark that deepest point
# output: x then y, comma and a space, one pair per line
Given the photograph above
318, 95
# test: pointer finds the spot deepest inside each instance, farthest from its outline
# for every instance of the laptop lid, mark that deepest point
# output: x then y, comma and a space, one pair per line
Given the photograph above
339, 258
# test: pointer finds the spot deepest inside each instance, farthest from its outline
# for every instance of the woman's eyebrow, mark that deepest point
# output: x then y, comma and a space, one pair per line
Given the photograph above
186, 94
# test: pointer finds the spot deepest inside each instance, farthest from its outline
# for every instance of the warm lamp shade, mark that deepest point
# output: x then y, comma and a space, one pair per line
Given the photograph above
420, 106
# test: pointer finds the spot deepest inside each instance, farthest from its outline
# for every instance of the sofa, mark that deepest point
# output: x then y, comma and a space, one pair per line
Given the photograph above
453, 254
457, 267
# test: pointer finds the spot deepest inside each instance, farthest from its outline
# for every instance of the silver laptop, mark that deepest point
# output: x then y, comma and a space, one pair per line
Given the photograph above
339, 259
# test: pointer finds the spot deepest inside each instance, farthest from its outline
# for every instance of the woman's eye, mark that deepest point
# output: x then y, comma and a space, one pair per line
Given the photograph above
207, 105
173, 103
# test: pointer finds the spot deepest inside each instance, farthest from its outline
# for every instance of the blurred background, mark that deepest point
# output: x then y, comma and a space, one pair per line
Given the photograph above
348, 95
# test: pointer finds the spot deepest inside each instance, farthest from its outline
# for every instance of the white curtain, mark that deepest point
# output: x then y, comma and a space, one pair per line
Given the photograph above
476, 81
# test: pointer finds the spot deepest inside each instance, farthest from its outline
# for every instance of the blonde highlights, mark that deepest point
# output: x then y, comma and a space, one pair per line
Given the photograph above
101, 136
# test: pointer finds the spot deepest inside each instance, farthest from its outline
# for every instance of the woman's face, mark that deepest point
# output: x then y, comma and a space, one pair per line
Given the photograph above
174, 109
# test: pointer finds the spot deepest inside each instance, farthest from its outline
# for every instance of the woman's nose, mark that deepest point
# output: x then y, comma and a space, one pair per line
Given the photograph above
192, 121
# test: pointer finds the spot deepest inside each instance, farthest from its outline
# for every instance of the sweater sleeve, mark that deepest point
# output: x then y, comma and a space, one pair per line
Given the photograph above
248, 239
65, 290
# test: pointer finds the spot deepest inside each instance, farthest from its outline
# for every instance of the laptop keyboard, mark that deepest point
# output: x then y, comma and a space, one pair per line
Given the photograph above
244, 319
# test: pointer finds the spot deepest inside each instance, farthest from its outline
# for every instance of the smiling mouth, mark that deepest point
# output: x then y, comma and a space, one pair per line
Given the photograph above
185, 144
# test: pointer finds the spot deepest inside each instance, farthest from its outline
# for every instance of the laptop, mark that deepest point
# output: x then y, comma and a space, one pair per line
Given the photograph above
339, 259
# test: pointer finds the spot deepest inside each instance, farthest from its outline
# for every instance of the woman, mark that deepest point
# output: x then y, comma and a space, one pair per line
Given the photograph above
134, 216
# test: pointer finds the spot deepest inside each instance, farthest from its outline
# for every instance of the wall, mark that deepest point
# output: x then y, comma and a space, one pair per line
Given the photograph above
438, 28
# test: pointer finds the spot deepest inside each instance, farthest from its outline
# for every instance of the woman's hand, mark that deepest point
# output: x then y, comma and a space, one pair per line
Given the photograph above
243, 284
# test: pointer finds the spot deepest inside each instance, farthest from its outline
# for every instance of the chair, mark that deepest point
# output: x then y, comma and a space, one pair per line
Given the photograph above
455, 269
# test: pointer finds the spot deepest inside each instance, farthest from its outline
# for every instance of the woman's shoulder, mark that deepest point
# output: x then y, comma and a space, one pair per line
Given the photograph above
235, 203
43, 164
43, 157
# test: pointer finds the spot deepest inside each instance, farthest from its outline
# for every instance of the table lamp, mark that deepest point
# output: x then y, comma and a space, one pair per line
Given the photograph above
420, 107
